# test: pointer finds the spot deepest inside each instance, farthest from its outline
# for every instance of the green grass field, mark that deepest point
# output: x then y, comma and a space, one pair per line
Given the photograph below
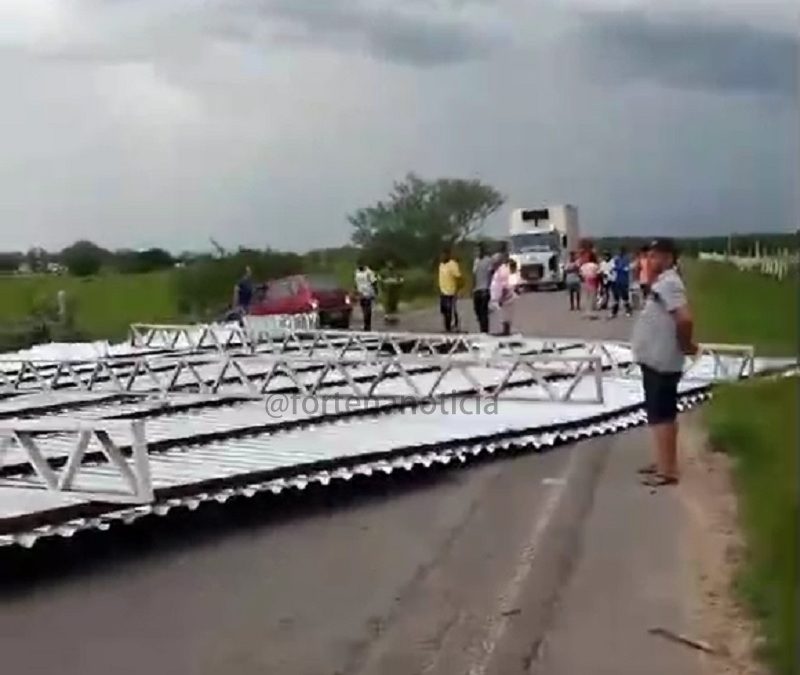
756, 423
104, 306
743, 307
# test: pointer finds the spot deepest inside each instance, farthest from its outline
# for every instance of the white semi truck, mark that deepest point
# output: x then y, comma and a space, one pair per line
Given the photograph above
540, 241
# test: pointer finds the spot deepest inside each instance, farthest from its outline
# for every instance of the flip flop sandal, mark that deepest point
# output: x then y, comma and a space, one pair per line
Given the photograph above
659, 480
647, 470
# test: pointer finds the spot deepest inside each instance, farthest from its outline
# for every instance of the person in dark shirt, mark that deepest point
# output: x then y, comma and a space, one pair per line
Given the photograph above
621, 282
390, 281
243, 292
482, 277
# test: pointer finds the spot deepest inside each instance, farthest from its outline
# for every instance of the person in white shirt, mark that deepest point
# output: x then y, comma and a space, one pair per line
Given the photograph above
503, 292
606, 279
365, 287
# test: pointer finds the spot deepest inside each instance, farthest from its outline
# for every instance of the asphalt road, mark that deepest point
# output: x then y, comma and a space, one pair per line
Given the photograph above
541, 313
496, 568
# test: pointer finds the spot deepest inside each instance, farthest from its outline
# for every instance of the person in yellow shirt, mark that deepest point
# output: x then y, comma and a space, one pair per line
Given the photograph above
450, 281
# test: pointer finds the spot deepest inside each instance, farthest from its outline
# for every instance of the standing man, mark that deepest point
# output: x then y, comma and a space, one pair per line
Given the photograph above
390, 282
482, 277
449, 285
662, 336
365, 287
606, 279
501, 257
243, 293
620, 286
572, 280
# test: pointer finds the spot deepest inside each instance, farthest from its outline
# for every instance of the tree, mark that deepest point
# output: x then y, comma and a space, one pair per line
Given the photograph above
147, 260
10, 261
84, 258
36, 259
420, 217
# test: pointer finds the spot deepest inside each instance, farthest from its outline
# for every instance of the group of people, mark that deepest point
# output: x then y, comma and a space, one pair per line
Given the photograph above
495, 287
662, 335
594, 283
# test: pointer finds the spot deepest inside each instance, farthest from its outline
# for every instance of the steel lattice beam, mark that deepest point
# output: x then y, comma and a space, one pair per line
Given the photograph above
269, 330
136, 486
729, 360
355, 376
310, 371
272, 336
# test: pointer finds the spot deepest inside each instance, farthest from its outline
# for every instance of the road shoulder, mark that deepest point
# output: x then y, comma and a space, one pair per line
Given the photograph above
712, 535
629, 576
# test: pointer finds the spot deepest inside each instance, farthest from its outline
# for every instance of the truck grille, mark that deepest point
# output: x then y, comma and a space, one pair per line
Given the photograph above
531, 272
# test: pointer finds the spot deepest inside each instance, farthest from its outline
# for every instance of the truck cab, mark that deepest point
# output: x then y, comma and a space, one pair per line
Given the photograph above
540, 241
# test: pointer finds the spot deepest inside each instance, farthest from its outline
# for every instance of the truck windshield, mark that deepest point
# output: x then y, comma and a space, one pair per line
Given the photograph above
534, 241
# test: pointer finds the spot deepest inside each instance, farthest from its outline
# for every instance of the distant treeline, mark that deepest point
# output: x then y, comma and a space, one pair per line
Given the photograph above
84, 258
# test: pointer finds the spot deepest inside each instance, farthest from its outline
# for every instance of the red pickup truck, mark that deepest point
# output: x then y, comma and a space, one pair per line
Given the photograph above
302, 294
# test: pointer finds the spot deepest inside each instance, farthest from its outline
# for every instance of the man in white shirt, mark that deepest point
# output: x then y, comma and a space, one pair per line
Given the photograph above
662, 338
365, 287
606, 279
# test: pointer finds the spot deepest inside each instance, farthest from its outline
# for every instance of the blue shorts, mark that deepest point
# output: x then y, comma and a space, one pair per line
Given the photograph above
660, 395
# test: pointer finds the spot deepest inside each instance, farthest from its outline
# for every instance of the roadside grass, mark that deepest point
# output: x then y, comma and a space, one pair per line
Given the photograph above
743, 307
103, 305
756, 423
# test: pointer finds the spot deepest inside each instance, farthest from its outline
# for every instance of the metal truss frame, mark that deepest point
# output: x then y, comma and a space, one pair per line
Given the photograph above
730, 361
420, 344
311, 366
311, 376
83, 375
454, 454
266, 330
196, 337
745, 354
134, 475
280, 337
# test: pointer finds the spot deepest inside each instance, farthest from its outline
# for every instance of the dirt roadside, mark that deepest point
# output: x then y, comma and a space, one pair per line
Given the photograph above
716, 548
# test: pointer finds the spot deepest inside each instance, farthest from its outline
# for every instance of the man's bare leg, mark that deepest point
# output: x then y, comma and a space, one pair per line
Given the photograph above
666, 440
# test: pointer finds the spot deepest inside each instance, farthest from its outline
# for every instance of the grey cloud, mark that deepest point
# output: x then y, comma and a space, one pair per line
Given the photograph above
691, 53
416, 32
423, 38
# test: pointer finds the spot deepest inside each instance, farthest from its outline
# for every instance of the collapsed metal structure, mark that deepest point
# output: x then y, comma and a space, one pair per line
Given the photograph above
134, 475
185, 416
359, 377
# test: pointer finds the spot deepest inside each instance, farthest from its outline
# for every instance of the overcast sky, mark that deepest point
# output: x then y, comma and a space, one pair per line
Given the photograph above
265, 122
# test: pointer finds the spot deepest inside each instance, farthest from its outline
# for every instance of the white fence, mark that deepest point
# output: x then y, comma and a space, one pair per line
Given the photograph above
779, 265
